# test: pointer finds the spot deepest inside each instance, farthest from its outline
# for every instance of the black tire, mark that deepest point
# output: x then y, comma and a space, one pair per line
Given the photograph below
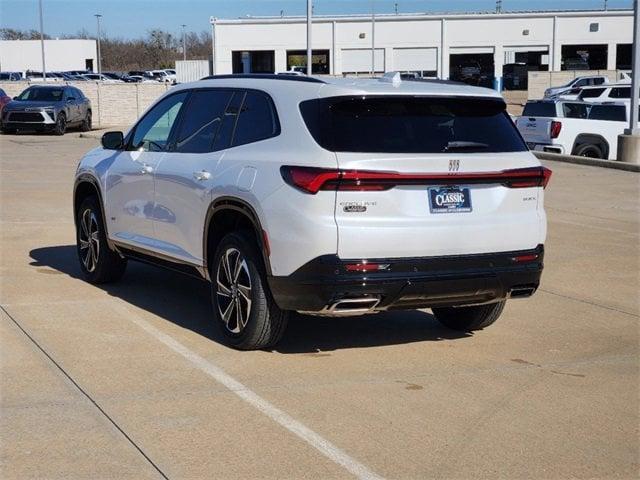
246, 325
589, 151
105, 266
86, 123
471, 318
61, 124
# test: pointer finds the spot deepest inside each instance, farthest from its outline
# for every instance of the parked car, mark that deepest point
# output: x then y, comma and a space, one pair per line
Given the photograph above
248, 181
4, 99
141, 79
595, 136
10, 76
606, 93
555, 109
171, 75
47, 108
573, 87
100, 77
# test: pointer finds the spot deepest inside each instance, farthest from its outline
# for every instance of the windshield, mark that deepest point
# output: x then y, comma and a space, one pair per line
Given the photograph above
42, 94
404, 124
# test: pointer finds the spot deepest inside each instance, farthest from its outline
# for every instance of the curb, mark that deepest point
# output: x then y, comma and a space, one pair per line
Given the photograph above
592, 162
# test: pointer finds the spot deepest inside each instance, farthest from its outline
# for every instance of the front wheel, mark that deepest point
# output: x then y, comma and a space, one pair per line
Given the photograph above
243, 307
99, 264
61, 124
471, 318
86, 123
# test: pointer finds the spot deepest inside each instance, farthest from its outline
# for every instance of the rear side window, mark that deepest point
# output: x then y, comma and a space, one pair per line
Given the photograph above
614, 113
202, 121
411, 125
539, 109
622, 92
257, 119
598, 81
591, 93
575, 110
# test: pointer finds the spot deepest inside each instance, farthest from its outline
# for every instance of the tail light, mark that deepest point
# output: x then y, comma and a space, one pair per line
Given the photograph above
312, 180
556, 127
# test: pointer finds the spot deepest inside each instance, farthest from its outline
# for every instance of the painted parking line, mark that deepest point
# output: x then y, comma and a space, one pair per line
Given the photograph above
303, 432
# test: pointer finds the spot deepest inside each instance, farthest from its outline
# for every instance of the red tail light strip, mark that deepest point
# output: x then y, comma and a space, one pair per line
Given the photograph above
312, 180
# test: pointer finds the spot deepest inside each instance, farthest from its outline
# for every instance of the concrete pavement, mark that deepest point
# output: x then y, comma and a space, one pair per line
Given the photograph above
130, 380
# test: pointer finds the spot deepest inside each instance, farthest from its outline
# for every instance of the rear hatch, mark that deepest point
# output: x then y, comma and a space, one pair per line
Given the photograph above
428, 176
535, 123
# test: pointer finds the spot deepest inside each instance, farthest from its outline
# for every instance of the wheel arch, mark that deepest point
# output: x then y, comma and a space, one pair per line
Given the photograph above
233, 214
591, 139
84, 186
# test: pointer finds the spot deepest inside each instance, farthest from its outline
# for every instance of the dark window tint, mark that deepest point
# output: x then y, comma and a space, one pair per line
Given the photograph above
2, 94
591, 93
598, 81
575, 110
622, 92
39, 94
539, 109
614, 113
152, 132
582, 82
411, 125
225, 134
202, 120
257, 119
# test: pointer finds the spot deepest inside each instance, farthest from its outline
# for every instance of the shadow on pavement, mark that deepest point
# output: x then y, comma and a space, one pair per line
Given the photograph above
185, 302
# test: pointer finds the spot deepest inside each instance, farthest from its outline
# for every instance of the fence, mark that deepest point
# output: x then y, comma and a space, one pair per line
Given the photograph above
111, 104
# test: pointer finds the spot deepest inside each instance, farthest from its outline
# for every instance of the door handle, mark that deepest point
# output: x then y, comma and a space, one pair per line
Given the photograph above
201, 175
146, 169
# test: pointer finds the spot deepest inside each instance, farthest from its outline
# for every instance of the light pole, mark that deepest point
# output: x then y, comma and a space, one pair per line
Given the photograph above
309, 50
373, 38
44, 68
184, 44
629, 143
98, 17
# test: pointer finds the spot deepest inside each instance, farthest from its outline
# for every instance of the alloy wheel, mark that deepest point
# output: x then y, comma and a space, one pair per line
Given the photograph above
233, 290
89, 240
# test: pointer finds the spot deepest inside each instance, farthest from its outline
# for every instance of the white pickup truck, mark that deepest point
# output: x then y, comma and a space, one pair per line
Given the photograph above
594, 135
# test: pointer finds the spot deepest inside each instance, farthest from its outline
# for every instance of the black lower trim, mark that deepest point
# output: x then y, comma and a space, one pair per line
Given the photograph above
155, 259
411, 283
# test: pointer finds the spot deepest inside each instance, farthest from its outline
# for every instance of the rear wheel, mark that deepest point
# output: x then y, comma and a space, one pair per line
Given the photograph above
589, 151
471, 318
243, 307
99, 264
86, 123
61, 124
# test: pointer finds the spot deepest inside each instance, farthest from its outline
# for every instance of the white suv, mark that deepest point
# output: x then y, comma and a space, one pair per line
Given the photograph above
328, 197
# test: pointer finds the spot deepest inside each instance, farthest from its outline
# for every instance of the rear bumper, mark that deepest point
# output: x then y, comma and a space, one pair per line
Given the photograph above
411, 283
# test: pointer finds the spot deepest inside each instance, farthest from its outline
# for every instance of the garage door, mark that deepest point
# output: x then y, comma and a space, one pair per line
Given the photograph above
359, 60
411, 59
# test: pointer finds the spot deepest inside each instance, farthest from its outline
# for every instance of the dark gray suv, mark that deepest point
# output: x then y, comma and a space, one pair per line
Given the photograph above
47, 108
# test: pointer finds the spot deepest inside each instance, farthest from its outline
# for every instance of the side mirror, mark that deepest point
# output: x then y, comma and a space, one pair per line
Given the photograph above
113, 140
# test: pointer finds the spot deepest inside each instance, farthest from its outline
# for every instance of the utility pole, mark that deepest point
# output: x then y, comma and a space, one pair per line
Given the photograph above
396, 7
184, 44
606, 4
373, 38
309, 50
98, 17
498, 6
44, 68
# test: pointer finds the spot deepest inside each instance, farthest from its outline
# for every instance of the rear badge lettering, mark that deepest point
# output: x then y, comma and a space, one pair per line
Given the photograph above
356, 207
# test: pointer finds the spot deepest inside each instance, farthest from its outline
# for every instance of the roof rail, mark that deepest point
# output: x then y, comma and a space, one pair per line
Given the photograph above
266, 76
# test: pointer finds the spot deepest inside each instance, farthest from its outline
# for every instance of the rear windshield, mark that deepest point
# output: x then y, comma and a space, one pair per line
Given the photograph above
411, 125
614, 113
539, 109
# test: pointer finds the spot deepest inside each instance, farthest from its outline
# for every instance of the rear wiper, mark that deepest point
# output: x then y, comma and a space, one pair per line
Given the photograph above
461, 145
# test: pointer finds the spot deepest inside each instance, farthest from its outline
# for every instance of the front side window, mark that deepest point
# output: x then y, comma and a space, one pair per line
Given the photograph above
153, 131
257, 119
598, 81
592, 93
582, 83
202, 121
407, 124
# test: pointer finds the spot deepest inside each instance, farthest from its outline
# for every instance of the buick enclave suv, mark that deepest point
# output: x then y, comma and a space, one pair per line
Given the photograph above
328, 197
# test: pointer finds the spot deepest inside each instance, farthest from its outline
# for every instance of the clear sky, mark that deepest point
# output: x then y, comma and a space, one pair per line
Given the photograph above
132, 18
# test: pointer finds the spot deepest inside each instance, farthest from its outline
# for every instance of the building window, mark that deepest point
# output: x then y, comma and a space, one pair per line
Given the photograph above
319, 61
584, 57
594, 27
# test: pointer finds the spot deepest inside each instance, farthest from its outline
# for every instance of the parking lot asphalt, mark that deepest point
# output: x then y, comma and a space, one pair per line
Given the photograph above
130, 380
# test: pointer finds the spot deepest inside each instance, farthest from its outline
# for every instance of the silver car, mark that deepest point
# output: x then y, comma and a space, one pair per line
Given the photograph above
47, 108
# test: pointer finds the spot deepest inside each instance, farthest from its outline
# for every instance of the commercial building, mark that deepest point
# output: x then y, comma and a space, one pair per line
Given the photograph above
60, 55
477, 47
